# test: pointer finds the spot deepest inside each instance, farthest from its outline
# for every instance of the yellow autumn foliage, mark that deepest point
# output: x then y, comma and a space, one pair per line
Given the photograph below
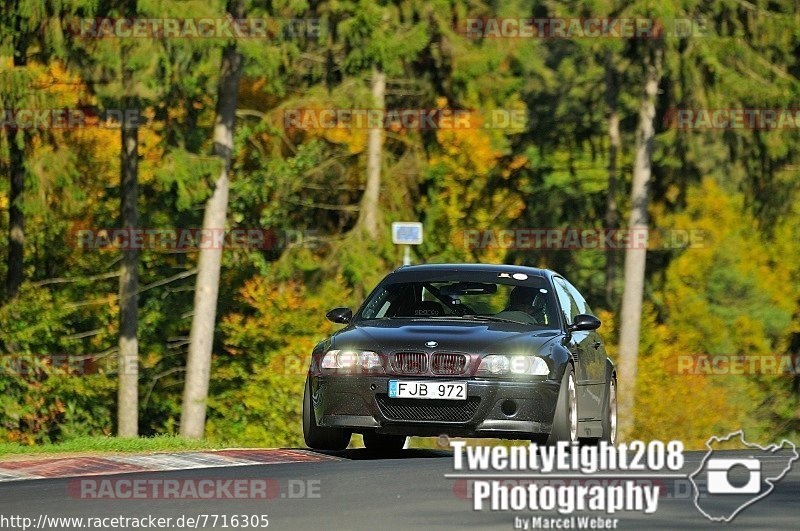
729, 295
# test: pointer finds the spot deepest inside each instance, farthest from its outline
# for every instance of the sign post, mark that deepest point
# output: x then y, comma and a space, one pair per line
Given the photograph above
407, 233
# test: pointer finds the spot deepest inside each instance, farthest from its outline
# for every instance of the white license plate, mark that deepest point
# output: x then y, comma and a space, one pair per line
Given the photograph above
427, 389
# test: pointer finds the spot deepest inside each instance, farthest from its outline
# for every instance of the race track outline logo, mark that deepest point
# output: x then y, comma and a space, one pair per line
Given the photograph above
718, 480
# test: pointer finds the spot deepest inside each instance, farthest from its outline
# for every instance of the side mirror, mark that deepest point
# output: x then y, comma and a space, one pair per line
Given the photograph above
585, 321
340, 315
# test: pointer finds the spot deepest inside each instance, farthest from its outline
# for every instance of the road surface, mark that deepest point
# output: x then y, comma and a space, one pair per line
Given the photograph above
356, 490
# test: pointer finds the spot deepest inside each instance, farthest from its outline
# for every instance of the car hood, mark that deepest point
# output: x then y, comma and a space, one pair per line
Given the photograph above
460, 336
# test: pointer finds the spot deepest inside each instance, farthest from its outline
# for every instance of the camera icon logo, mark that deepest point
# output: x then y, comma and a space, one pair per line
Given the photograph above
719, 471
735, 474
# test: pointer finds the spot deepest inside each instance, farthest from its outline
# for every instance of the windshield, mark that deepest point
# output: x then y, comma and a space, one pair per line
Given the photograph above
466, 296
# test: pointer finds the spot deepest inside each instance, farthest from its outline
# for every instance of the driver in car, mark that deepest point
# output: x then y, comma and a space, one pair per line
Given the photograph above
531, 302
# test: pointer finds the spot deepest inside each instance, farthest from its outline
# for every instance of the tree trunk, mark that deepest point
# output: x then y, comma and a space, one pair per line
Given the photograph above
201, 337
612, 213
128, 357
635, 256
368, 218
128, 392
16, 217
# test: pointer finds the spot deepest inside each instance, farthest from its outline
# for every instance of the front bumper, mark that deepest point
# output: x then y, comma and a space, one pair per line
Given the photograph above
494, 408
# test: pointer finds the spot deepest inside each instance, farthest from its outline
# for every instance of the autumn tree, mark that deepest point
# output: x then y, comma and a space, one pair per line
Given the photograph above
198, 362
635, 256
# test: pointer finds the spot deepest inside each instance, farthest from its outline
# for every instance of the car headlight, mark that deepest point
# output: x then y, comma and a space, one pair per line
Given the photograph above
354, 360
497, 364
494, 364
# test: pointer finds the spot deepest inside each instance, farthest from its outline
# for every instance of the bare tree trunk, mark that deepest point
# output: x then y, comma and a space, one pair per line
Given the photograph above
128, 391
128, 357
635, 256
198, 365
612, 212
16, 217
368, 218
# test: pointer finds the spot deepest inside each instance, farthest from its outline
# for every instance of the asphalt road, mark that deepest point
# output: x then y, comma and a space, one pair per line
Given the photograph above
361, 491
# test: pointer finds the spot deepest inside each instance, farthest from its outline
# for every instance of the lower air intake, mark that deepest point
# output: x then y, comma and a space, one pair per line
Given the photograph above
412, 409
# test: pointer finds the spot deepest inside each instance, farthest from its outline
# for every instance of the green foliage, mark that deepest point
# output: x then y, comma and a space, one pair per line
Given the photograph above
737, 293
259, 380
75, 445
724, 297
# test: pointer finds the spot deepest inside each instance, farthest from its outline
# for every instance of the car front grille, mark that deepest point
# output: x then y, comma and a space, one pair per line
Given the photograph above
448, 364
412, 409
410, 362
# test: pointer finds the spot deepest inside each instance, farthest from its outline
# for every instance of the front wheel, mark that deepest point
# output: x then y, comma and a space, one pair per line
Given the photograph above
317, 437
610, 416
565, 419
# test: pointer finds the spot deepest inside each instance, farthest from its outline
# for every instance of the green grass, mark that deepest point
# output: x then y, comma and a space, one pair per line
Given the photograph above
109, 444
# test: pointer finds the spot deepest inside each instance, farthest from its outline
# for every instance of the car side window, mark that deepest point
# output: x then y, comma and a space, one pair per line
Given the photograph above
386, 302
382, 312
568, 304
583, 307
377, 304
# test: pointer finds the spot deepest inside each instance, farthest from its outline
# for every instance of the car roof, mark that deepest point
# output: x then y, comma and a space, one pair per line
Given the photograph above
498, 268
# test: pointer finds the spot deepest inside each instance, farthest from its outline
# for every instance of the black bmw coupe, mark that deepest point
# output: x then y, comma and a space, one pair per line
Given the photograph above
466, 350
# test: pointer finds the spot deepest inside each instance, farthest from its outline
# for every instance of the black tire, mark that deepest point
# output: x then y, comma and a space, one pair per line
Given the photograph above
317, 437
565, 418
610, 413
375, 442
608, 417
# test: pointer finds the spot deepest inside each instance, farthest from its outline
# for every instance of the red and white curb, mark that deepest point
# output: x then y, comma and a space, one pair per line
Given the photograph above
123, 464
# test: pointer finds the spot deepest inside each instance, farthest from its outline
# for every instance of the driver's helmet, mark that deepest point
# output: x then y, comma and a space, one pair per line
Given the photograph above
522, 299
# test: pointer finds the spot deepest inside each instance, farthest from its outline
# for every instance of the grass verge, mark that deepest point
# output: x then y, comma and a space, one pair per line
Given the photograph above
158, 443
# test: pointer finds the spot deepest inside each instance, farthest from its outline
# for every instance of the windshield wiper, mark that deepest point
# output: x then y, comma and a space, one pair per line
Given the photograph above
458, 316
492, 318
